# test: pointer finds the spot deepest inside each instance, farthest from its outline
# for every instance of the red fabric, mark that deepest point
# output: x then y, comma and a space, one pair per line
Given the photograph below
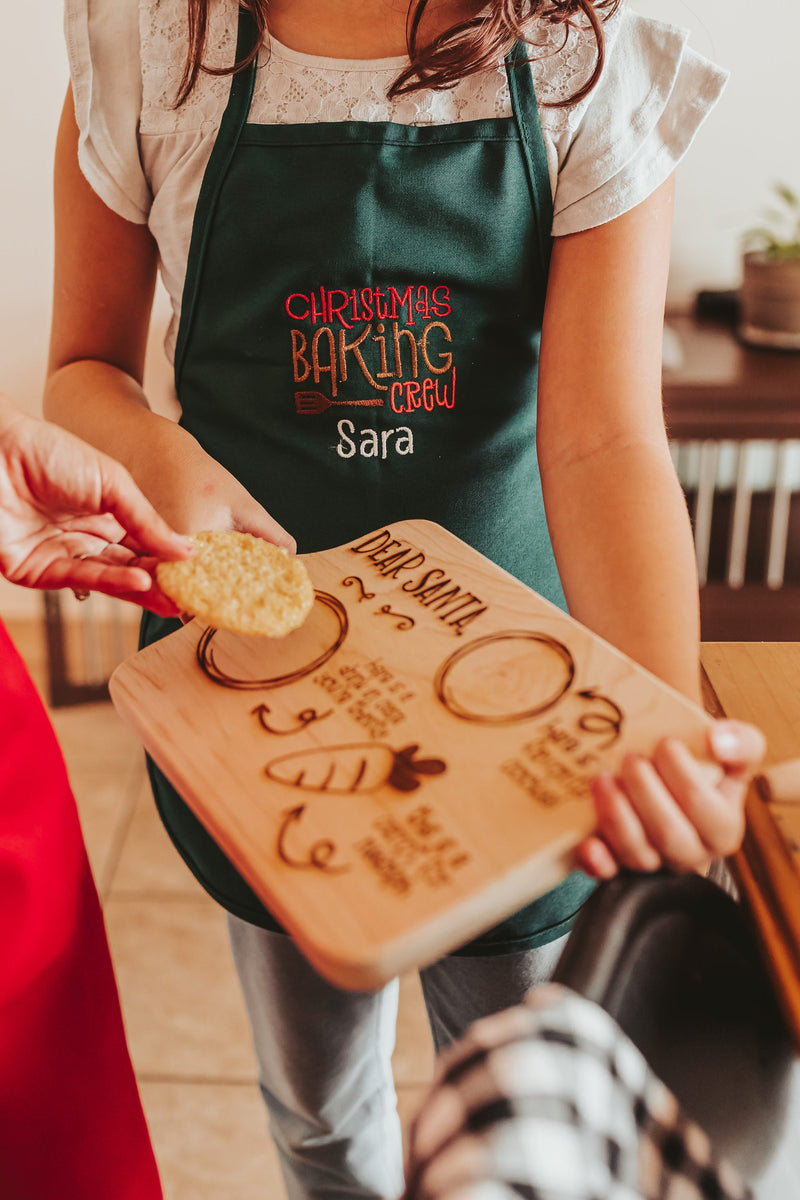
71, 1123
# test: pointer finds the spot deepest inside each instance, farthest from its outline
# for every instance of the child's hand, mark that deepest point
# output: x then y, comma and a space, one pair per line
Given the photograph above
671, 810
195, 492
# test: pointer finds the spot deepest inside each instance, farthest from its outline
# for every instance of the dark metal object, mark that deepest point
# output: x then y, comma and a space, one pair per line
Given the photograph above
673, 959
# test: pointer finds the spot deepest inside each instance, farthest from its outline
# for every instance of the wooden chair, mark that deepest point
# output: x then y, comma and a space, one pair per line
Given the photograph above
733, 416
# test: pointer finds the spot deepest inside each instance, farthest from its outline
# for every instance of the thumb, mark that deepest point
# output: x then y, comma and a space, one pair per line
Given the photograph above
256, 520
736, 745
143, 525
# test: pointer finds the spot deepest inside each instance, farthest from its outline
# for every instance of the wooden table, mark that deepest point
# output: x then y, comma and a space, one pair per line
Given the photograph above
726, 389
760, 682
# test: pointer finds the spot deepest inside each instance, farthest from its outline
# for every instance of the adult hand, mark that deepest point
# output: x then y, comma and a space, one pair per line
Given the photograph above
670, 810
73, 517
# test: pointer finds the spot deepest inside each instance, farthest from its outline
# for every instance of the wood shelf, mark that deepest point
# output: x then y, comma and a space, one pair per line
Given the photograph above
725, 389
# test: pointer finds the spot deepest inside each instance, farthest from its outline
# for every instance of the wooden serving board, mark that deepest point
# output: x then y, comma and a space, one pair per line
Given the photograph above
411, 765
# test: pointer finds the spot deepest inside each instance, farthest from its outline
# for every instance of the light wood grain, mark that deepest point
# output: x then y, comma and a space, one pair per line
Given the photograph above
427, 776
760, 682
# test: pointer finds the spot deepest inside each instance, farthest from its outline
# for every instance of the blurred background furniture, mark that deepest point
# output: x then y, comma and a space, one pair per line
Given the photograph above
84, 642
733, 417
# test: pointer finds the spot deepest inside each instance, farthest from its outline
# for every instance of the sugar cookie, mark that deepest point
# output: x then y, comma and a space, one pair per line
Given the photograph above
240, 582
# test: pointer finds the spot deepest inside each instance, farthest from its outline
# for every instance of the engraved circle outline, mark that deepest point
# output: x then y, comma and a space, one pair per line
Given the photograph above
205, 655
465, 714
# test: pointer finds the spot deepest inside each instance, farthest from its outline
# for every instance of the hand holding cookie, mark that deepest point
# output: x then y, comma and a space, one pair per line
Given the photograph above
240, 582
73, 517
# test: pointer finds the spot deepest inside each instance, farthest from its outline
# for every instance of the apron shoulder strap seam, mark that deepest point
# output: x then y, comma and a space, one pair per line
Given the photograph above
526, 115
231, 125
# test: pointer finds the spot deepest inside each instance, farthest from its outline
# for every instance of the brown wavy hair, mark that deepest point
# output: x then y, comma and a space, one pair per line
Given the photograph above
469, 46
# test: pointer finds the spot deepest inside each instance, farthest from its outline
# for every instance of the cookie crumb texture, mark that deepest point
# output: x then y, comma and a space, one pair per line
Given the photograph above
240, 582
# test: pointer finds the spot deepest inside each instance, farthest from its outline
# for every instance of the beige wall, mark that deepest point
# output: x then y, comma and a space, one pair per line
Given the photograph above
32, 85
748, 142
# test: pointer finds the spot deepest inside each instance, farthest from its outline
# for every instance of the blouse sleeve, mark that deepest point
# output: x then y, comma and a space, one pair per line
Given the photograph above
618, 144
103, 52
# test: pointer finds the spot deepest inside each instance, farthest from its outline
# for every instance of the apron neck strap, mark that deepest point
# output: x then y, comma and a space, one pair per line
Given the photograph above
233, 121
242, 83
526, 115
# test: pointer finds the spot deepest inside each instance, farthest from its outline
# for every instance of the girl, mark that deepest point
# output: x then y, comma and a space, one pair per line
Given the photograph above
351, 205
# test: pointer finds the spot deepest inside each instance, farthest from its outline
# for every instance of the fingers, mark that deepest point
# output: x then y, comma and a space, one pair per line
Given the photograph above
714, 812
256, 520
220, 502
633, 819
129, 581
154, 600
90, 537
146, 530
95, 528
739, 747
594, 857
673, 810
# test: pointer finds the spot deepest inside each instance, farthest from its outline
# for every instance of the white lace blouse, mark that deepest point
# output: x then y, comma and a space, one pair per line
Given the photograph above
145, 158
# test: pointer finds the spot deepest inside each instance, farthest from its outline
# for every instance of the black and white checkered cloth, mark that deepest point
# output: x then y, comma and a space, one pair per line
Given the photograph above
551, 1101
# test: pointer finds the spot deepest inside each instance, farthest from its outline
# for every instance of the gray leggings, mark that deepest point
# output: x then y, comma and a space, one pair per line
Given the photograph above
324, 1055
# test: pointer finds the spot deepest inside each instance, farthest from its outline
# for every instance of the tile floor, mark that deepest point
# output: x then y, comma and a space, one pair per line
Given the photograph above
185, 1020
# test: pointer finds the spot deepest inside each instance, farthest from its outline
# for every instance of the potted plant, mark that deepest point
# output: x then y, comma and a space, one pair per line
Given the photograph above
770, 291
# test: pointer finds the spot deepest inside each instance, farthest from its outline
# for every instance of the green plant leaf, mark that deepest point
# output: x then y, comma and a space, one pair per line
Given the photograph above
787, 195
761, 237
779, 236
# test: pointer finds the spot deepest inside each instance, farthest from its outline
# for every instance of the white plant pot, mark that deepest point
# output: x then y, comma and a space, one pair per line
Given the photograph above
770, 301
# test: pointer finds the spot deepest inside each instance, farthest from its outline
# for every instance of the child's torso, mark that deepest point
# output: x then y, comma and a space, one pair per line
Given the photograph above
359, 344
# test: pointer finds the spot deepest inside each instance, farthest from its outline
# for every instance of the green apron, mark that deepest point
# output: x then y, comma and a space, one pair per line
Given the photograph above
359, 344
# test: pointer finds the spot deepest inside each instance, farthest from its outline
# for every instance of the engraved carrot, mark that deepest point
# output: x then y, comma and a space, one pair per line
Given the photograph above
357, 767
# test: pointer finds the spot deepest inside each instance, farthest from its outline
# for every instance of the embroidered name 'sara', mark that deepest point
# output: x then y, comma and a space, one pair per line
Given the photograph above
373, 443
